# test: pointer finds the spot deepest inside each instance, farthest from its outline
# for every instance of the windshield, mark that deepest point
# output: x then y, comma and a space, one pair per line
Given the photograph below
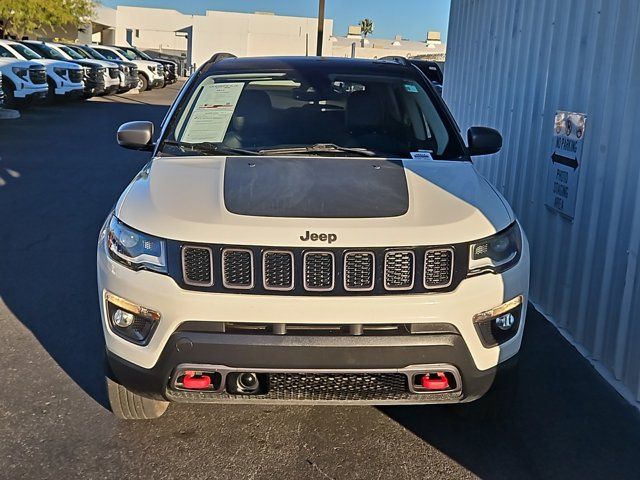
382, 113
26, 52
129, 54
135, 54
108, 54
93, 53
49, 52
71, 52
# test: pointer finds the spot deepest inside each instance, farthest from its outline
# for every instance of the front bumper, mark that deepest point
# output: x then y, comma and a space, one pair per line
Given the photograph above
148, 369
157, 82
72, 90
30, 90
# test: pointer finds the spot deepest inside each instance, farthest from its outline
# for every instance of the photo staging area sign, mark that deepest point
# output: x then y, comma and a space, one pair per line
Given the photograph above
564, 171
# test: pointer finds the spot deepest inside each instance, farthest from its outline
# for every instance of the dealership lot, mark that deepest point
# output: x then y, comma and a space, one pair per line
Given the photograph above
60, 173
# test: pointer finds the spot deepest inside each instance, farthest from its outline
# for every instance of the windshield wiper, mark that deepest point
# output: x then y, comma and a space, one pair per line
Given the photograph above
319, 148
209, 148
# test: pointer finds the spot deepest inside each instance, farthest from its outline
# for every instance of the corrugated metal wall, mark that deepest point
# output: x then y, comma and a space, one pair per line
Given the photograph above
511, 64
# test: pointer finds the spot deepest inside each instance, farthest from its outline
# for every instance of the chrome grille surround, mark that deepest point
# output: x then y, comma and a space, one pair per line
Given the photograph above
399, 270
359, 271
237, 268
275, 273
322, 264
197, 266
438, 268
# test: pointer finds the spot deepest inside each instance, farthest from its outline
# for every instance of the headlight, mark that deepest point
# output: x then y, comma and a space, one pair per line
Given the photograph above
496, 253
61, 72
21, 72
134, 249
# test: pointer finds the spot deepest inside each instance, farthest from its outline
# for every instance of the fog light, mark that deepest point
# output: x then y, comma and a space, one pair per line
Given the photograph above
123, 319
130, 321
499, 324
505, 322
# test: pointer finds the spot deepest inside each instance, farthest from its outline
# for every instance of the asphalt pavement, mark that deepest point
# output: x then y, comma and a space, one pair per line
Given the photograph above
60, 173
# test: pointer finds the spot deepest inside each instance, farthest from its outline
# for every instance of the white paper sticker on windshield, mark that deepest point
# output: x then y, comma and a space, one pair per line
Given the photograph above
212, 113
422, 155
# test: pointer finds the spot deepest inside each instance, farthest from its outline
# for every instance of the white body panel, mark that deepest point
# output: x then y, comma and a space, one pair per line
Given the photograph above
23, 87
149, 68
183, 199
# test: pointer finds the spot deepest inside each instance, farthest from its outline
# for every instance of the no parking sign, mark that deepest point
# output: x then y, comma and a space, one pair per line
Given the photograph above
564, 171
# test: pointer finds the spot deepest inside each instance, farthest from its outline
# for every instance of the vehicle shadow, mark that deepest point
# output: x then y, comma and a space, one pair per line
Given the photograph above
563, 418
65, 172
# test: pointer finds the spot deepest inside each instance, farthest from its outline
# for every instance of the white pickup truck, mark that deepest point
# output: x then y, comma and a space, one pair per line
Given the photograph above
150, 74
310, 230
64, 79
23, 81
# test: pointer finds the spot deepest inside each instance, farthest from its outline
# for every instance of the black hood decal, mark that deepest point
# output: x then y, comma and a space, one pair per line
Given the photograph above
313, 187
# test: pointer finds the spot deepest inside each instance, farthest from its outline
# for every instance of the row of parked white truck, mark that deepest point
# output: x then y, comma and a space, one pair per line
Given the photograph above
34, 70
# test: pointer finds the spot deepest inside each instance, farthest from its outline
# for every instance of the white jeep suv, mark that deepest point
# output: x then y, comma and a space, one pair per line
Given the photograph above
309, 230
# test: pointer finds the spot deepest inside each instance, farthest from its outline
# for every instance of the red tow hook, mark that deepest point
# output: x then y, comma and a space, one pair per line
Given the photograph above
196, 382
435, 381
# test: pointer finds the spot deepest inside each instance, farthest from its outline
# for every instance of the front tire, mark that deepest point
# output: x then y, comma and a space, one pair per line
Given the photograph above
143, 83
127, 405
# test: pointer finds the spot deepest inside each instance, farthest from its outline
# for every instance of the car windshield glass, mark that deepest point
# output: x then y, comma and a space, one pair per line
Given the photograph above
129, 54
93, 53
387, 113
26, 52
71, 52
50, 52
110, 55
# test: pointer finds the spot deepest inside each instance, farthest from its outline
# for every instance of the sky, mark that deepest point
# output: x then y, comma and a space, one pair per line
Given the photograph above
409, 18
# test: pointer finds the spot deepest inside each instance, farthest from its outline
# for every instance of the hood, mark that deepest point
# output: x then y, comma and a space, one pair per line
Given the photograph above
96, 63
57, 63
17, 63
274, 200
146, 63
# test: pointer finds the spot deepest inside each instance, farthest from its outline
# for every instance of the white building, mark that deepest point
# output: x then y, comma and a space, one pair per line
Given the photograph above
197, 37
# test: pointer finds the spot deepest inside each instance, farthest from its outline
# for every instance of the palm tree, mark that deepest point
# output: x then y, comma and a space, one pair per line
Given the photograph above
366, 27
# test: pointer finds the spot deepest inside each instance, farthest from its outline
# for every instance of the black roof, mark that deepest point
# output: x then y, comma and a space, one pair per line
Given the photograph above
352, 65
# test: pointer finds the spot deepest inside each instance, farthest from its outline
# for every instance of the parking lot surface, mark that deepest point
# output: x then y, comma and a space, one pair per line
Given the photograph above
60, 173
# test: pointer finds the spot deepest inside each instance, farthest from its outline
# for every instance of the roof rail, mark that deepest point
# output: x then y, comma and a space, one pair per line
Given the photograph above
220, 56
397, 59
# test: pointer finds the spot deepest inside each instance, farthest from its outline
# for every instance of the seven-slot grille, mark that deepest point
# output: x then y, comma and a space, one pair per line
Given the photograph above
38, 75
359, 271
197, 266
319, 271
263, 270
399, 270
277, 270
438, 268
237, 268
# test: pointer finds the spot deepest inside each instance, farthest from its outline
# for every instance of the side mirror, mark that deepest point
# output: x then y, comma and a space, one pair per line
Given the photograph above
136, 135
483, 141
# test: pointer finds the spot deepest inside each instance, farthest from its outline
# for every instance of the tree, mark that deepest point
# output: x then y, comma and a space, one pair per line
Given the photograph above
366, 27
21, 17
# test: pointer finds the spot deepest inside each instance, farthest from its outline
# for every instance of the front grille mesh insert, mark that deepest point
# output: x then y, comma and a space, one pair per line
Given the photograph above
319, 271
197, 266
438, 268
277, 267
359, 271
399, 269
237, 268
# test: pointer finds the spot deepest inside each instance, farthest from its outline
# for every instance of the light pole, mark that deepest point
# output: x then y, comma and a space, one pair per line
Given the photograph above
320, 27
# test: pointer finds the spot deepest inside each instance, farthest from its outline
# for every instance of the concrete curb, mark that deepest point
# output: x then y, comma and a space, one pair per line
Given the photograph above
6, 114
